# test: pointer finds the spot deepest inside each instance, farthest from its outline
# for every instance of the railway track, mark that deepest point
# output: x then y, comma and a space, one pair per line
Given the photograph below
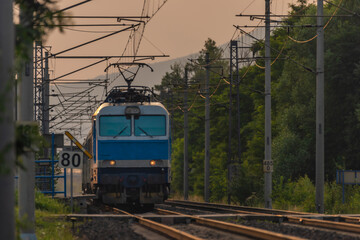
223, 226
231, 208
226, 222
234, 228
340, 223
191, 227
162, 228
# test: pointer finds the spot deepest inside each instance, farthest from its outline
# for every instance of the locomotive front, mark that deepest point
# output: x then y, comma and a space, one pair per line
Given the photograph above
131, 149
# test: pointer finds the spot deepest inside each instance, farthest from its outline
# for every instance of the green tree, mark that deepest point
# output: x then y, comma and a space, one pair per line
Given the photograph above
294, 94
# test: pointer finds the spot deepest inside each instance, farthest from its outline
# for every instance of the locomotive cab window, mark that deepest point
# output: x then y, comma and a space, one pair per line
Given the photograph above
150, 125
115, 126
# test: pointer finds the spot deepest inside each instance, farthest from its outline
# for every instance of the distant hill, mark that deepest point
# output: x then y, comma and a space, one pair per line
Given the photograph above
147, 78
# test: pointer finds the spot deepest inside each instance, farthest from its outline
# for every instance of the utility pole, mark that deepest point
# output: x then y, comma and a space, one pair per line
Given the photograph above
229, 161
171, 102
267, 161
207, 129
237, 85
27, 175
320, 109
186, 140
7, 199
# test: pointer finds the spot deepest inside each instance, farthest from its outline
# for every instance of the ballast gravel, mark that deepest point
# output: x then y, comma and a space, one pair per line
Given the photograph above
111, 229
299, 231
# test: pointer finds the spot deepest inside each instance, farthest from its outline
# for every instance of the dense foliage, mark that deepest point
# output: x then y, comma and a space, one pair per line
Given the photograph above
293, 108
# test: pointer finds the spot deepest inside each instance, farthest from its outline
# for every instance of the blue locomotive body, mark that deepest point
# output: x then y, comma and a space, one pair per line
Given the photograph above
131, 147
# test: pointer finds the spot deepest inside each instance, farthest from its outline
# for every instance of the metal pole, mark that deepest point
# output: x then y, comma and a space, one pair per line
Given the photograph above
71, 186
320, 110
268, 174
7, 199
53, 165
46, 92
27, 175
207, 130
186, 140
65, 182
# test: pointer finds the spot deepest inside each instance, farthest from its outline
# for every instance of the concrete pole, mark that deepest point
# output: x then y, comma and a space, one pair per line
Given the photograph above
207, 130
268, 175
238, 112
229, 161
186, 140
7, 199
27, 176
320, 110
171, 99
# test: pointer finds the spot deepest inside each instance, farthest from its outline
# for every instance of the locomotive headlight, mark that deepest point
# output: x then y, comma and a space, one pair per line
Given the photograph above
112, 163
152, 163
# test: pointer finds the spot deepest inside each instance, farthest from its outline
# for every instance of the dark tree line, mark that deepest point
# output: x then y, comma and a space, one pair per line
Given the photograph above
293, 107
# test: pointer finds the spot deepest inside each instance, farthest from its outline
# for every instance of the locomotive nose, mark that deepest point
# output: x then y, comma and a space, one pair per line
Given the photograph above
132, 180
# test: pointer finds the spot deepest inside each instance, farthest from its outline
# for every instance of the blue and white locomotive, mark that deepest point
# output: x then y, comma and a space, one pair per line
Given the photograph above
131, 147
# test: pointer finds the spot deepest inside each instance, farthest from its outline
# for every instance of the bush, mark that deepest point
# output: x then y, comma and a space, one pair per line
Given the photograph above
300, 196
333, 199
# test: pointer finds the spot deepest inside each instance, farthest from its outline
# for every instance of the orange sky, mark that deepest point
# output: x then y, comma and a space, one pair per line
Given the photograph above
178, 29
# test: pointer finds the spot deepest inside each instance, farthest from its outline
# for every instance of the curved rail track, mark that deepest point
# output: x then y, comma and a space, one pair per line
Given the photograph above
164, 229
234, 228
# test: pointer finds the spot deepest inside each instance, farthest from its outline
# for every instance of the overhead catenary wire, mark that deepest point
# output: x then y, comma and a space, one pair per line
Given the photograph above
277, 57
286, 56
86, 31
327, 23
85, 91
198, 92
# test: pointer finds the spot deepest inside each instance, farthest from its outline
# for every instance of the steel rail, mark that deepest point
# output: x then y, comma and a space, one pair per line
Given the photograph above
349, 226
244, 230
342, 218
350, 219
217, 209
169, 231
241, 208
355, 228
234, 228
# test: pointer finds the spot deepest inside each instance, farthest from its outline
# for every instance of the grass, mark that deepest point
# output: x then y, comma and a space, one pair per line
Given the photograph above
48, 226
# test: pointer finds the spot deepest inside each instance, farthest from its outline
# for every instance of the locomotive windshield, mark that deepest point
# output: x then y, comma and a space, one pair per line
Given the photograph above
150, 126
115, 126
